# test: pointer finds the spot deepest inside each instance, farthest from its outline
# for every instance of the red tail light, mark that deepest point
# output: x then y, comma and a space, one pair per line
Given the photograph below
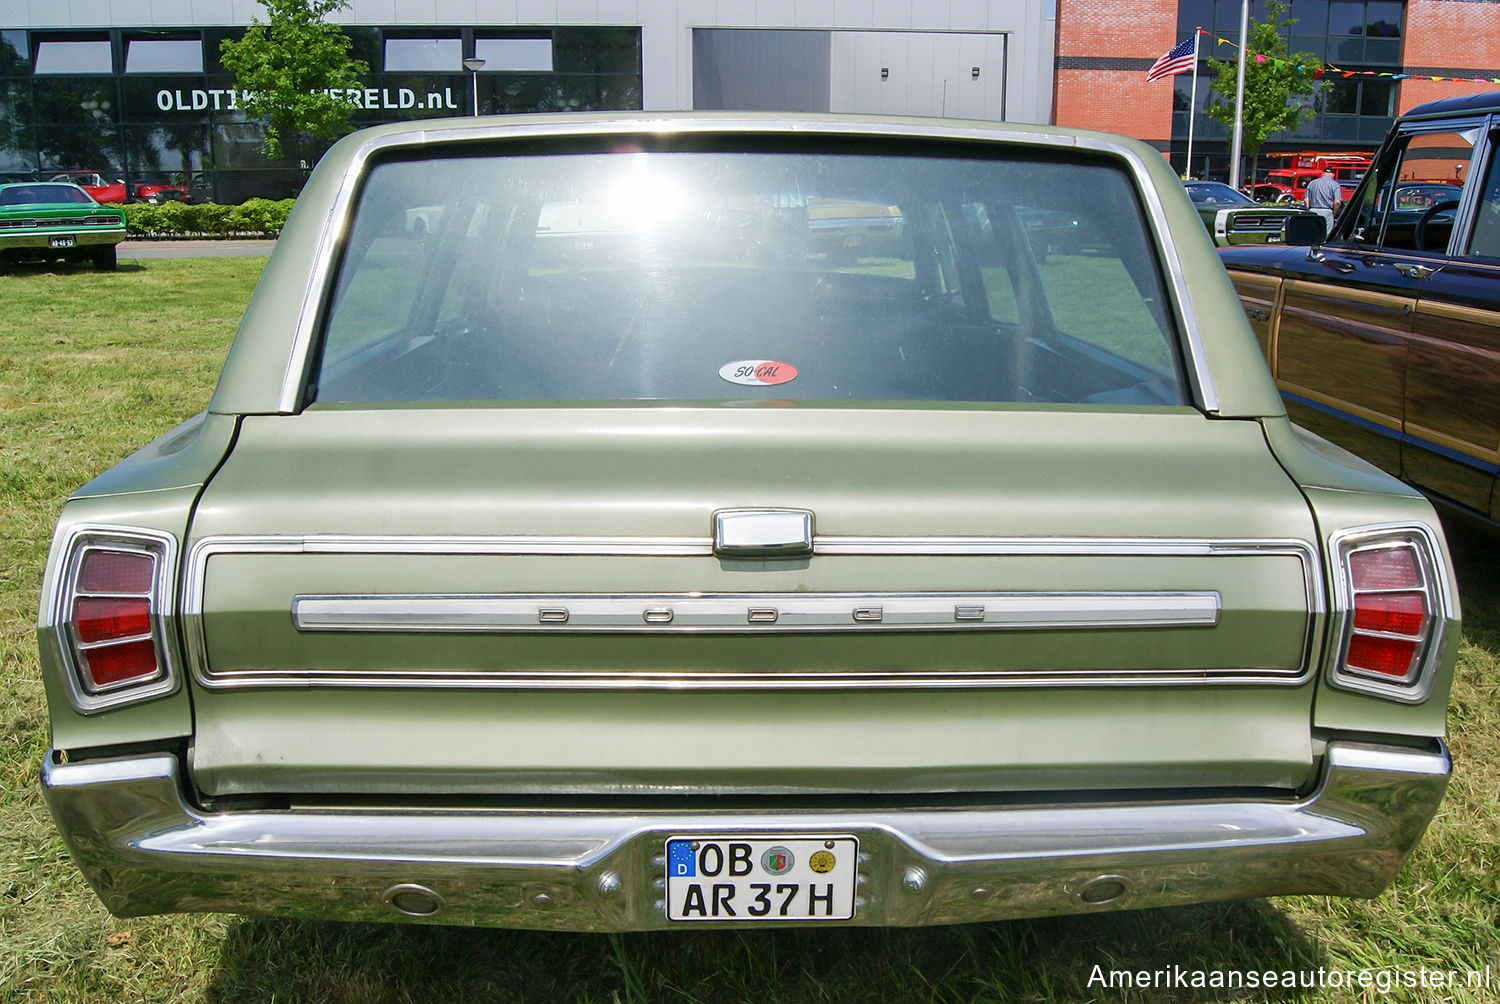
109, 607
111, 618
1396, 608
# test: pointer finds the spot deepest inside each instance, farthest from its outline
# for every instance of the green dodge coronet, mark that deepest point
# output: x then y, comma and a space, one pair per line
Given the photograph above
679, 568
46, 221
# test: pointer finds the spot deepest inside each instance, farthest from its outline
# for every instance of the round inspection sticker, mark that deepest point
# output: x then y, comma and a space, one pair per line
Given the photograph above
758, 372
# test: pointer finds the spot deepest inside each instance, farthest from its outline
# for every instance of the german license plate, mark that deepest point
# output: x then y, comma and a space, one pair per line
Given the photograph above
739, 878
60, 242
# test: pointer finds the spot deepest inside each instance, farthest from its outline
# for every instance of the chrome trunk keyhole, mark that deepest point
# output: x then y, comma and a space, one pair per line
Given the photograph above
763, 533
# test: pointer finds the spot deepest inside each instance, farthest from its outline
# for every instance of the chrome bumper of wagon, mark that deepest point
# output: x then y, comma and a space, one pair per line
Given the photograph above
146, 850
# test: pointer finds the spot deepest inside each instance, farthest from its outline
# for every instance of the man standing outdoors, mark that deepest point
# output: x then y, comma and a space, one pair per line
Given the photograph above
1324, 196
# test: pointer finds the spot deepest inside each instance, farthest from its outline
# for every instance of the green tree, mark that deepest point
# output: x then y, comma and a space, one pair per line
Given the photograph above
1273, 79
287, 65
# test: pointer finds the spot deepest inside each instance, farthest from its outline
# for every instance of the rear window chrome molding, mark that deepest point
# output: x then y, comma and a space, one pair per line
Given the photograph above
195, 575
294, 389
56, 617
1341, 626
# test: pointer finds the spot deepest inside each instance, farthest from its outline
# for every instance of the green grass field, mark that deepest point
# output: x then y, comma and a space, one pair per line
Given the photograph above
96, 364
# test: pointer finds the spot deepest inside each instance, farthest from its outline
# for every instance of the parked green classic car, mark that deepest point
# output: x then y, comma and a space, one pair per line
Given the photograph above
678, 578
1232, 217
46, 221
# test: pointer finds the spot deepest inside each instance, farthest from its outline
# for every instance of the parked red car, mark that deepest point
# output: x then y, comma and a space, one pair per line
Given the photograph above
102, 190
95, 184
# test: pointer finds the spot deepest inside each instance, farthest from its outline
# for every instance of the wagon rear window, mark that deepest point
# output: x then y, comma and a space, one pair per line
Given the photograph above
742, 276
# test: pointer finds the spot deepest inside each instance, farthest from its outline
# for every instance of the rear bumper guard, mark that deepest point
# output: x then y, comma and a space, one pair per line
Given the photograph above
146, 850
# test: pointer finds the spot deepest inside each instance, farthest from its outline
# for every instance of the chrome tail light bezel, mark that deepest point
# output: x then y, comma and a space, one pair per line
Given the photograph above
57, 615
1417, 685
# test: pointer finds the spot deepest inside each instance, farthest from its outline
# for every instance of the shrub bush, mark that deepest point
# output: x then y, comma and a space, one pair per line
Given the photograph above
256, 218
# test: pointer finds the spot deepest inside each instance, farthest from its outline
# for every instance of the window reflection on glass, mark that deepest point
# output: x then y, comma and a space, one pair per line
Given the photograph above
1341, 97
1377, 97
1194, 14
13, 54
1383, 18
1416, 191
163, 55
73, 57
1311, 15
1485, 241
1346, 17
174, 150
72, 148
517, 55
16, 150
502, 94
239, 144
583, 93
651, 276
597, 50
406, 55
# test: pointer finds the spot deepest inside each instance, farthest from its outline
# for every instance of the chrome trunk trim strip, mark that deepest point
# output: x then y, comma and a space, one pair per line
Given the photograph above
759, 613
755, 612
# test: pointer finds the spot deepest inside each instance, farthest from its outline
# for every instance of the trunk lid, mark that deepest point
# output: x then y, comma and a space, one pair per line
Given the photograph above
529, 600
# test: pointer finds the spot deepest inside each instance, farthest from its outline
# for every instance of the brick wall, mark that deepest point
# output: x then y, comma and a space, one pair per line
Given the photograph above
1104, 48
1447, 38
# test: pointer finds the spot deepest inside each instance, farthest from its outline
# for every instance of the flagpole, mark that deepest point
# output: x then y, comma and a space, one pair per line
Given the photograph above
1239, 96
1192, 104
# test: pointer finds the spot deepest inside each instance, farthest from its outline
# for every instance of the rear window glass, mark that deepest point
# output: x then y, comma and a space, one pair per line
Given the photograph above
37, 195
741, 276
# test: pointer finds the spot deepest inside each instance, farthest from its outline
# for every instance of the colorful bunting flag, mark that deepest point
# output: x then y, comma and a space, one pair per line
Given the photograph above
1346, 74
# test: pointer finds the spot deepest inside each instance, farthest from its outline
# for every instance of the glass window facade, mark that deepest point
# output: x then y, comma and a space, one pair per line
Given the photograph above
514, 55
1349, 34
419, 55
163, 55
73, 56
158, 107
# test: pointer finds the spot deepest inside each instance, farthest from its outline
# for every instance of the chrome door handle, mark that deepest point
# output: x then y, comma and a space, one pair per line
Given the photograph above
1412, 270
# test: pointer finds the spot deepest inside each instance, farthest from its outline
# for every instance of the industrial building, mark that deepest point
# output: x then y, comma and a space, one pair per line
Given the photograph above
134, 88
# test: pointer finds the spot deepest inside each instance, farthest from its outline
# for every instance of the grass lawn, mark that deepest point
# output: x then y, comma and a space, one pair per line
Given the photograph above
96, 364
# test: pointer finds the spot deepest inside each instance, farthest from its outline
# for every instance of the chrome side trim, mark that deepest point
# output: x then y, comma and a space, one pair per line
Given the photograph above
657, 547
335, 231
727, 613
551, 613
146, 850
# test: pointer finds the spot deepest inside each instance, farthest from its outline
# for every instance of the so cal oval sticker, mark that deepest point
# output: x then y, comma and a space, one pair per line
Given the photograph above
758, 372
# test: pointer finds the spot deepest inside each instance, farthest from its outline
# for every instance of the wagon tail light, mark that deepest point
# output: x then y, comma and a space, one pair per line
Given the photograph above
1396, 606
110, 613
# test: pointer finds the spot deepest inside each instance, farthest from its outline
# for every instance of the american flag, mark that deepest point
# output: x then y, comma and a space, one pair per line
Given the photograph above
1180, 60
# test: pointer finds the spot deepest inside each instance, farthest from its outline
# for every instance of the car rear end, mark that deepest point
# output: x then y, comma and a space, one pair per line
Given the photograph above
46, 221
728, 571
1251, 225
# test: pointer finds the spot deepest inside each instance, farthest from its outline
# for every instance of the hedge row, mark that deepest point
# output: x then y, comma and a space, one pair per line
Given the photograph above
255, 218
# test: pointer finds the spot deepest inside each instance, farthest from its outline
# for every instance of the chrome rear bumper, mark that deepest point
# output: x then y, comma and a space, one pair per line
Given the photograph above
146, 850
41, 240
